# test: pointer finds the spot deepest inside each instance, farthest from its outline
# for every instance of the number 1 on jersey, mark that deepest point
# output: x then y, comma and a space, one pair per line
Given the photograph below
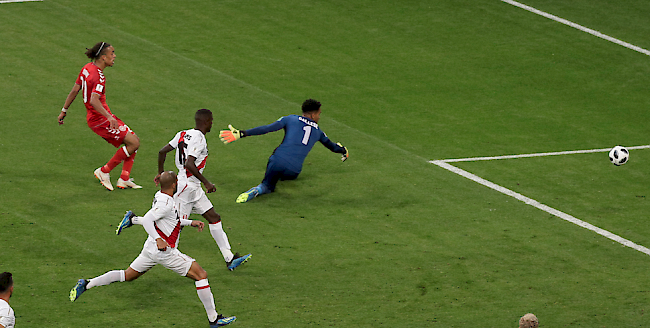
305, 138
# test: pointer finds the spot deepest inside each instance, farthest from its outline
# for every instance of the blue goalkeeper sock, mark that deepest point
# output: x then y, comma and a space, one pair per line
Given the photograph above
262, 189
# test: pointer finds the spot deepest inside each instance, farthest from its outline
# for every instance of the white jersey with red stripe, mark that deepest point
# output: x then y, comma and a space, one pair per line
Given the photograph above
190, 142
167, 222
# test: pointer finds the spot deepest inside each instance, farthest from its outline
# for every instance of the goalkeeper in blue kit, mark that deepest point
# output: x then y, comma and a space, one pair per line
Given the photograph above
300, 135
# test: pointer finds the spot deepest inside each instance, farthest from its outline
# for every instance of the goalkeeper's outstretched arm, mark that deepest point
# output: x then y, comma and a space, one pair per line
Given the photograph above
228, 136
337, 148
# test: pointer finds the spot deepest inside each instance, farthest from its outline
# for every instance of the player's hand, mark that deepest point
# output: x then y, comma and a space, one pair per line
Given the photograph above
61, 117
161, 244
346, 154
113, 124
209, 187
228, 136
157, 179
198, 224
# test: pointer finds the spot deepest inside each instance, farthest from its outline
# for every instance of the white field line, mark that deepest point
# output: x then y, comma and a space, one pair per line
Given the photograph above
579, 27
570, 152
564, 216
543, 207
8, 1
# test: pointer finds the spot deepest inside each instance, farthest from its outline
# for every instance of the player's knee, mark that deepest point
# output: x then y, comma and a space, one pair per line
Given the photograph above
197, 272
136, 142
132, 142
212, 216
130, 274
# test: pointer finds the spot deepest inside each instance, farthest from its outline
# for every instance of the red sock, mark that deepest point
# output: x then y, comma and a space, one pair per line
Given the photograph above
120, 155
126, 167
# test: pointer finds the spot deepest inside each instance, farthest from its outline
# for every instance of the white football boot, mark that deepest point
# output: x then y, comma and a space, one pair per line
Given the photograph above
104, 178
122, 184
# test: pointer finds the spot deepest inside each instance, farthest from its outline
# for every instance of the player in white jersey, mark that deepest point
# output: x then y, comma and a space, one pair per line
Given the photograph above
7, 317
191, 156
163, 224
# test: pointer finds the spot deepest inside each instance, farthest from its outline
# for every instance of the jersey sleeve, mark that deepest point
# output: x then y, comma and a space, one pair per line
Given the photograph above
196, 146
99, 88
160, 208
174, 141
95, 82
157, 211
264, 129
78, 81
147, 224
331, 145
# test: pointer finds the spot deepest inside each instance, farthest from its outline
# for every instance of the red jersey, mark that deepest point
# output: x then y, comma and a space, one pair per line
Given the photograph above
92, 80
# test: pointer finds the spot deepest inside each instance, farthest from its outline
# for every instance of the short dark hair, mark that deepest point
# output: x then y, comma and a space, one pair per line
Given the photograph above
6, 281
310, 105
97, 50
202, 114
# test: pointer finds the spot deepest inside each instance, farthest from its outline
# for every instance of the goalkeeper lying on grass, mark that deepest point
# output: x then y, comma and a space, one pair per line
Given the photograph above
300, 135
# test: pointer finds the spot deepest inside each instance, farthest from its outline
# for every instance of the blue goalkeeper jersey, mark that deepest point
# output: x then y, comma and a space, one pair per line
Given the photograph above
300, 135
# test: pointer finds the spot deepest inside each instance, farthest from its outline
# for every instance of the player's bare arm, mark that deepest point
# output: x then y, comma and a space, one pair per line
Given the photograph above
191, 167
162, 156
97, 105
68, 101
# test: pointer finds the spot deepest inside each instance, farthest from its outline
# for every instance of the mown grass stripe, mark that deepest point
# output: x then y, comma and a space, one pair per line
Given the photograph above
579, 27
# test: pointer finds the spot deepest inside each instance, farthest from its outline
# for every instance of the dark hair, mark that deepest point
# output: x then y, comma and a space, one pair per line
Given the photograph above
202, 114
97, 50
6, 281
310, 105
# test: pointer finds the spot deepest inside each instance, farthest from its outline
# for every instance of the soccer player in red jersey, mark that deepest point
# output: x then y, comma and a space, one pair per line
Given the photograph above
92, 84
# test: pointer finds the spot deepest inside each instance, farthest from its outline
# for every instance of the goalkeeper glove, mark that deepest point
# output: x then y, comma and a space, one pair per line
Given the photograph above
228, 136
346, 154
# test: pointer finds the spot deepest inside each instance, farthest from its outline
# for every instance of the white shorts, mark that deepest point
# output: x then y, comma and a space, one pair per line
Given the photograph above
171, 259
191, 199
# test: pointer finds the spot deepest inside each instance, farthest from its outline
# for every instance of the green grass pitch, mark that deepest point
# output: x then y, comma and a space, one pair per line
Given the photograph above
385, 239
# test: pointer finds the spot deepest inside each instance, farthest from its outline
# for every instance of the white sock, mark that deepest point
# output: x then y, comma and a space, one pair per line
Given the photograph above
107, 278
136, 220
216, 230
206, 297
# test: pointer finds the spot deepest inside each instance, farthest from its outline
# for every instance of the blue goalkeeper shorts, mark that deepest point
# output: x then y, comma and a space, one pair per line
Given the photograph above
278, 169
